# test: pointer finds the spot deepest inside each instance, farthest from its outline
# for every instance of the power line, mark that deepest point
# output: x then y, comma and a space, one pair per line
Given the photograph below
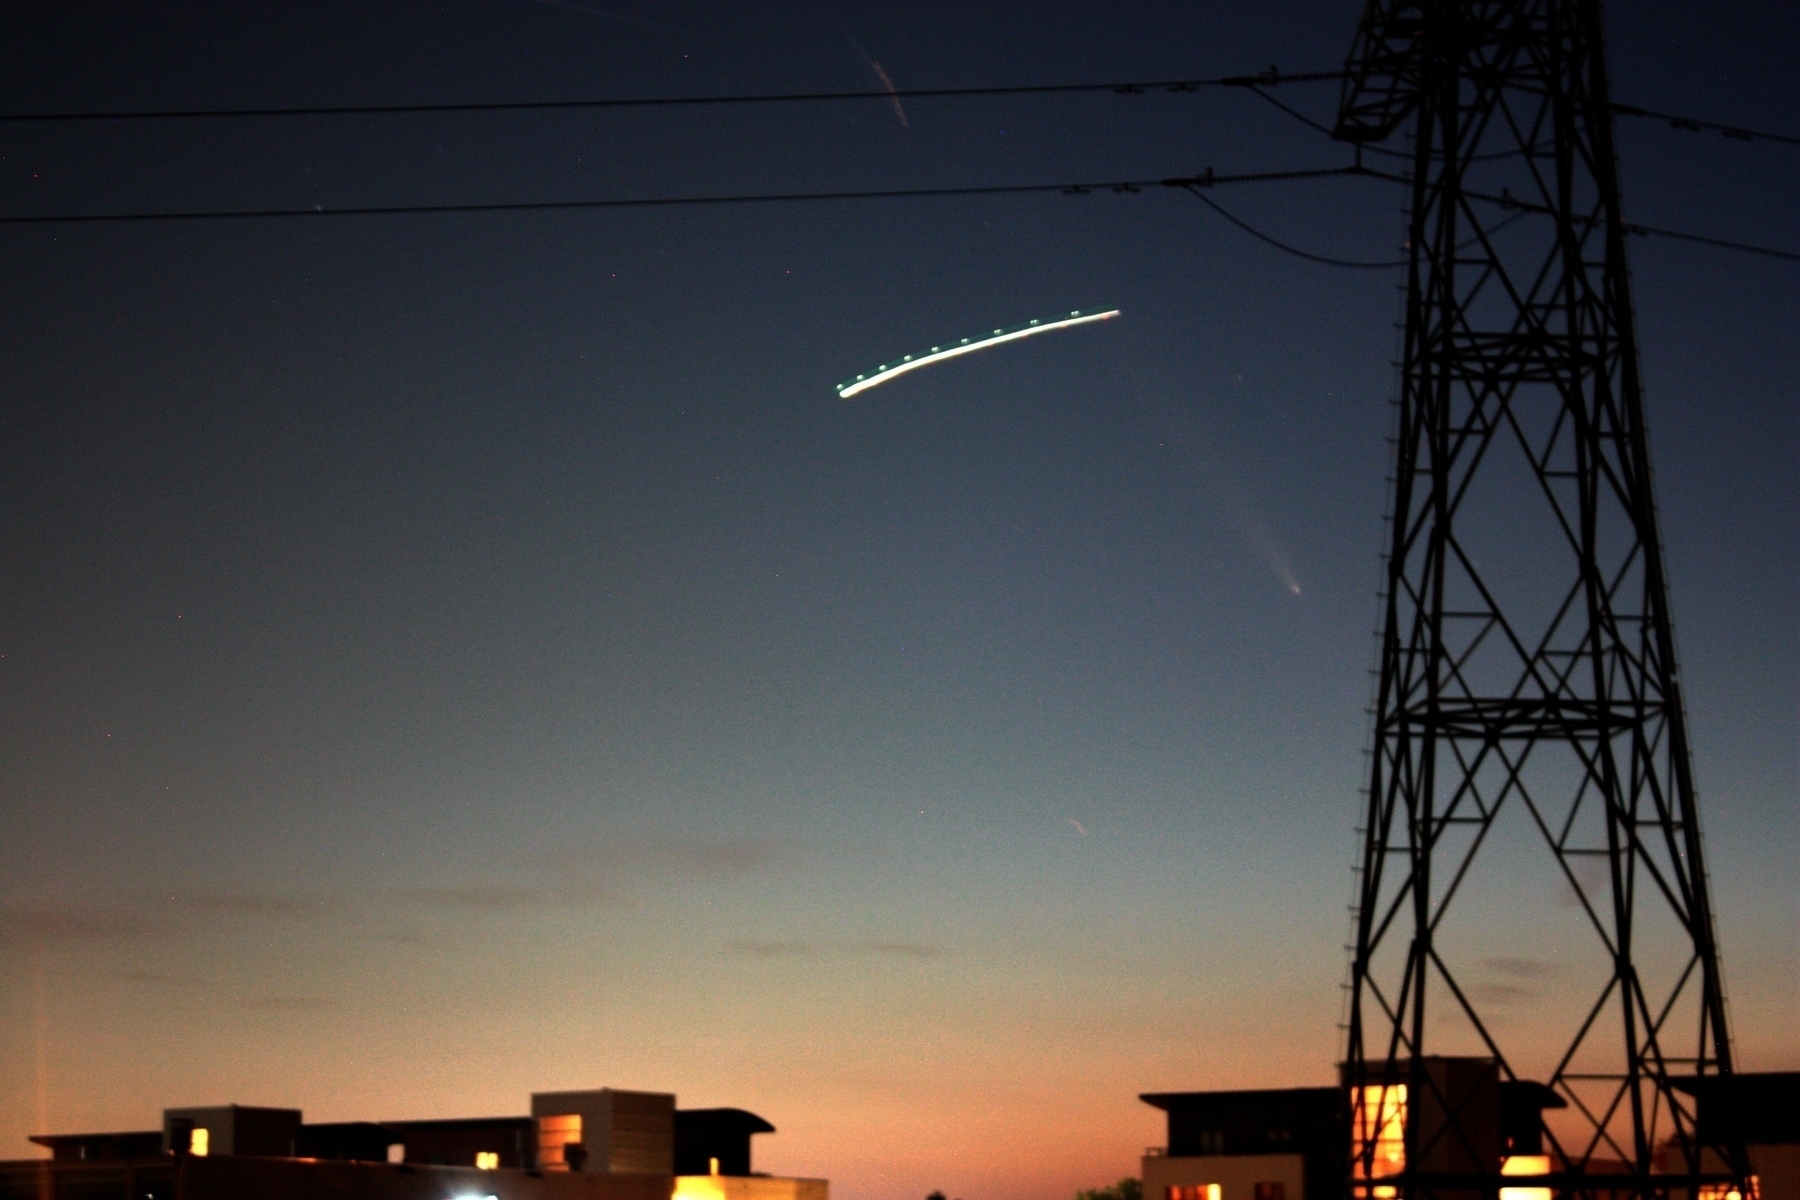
1652, 231
1309, 256
1139, 87
1070, 189
1188, 182
1365, 147
1694, 125
1690, 124
1260, 236
1269, 78
1508, 201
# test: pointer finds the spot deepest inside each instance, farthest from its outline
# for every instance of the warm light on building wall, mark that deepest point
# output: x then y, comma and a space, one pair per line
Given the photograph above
1378, 1134
1724, 1191
1193, 1191
553, 1134
486, 1160
199, 1142
699, 1187
1526, 1164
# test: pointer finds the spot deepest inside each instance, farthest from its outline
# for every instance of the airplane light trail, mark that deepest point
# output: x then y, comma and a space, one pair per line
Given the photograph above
911, 362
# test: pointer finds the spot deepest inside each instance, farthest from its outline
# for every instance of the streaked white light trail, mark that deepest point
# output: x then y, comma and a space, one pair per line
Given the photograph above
913, 362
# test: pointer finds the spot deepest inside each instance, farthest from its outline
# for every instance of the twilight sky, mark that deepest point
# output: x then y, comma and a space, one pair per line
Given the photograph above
448, 657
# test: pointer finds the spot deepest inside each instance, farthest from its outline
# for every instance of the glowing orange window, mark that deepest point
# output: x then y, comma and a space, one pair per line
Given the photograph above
553, 1134
1378, 1134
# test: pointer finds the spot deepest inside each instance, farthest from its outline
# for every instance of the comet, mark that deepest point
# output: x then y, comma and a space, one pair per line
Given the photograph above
968, 345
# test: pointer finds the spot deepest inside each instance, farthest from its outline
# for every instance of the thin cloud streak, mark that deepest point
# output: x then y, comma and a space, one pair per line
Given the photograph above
403, 937
1501, 993
1521, 968
915, 950
291, 1004
500, 898
878, 947
776, 949
721, 856
247, 904
662, 858
149, 978
48, 924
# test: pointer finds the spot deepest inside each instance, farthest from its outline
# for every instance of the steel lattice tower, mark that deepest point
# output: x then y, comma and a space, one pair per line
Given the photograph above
1527, 665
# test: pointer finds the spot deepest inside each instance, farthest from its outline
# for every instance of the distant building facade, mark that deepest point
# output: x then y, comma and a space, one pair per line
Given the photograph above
1296, 1143
1764, 1110
1246, 1145
603, 1144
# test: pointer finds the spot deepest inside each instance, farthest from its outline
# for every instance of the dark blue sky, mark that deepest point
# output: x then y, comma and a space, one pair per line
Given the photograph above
452, 656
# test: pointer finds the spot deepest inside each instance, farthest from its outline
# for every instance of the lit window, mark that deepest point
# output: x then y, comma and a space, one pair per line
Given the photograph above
487, 1160
199, 1142
1194, 1191
396, 1152
553, 1134
1725, 1191
1526, 1164
1378, 1134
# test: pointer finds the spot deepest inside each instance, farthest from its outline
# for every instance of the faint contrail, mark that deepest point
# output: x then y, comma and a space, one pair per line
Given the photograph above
881, 76
913, 362
1079, 827
893, 95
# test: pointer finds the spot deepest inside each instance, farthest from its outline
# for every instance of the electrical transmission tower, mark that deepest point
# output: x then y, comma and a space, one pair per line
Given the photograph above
1528, 698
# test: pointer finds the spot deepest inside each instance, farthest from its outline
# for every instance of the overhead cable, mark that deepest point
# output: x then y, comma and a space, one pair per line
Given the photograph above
1694, 125
1309, 256
1637, 230
1368, 147
1188, 182
1268, 78
1260, 236
373, 210
1509, 201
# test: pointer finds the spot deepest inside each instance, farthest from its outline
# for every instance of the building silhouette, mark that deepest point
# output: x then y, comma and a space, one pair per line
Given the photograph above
602, 1144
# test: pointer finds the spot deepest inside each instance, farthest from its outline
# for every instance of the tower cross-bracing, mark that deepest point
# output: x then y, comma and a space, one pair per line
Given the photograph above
1531, 889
